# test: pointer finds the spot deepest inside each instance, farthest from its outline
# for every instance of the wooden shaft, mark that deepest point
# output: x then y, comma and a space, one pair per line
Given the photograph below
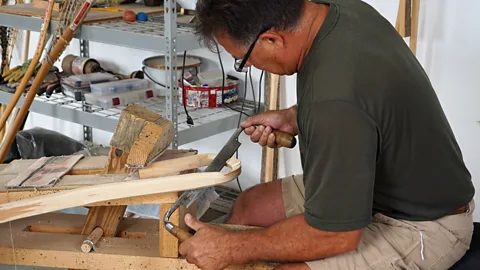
285, 139
270, 155
414, 25
182, 235
31, 68
92, 239
42, 73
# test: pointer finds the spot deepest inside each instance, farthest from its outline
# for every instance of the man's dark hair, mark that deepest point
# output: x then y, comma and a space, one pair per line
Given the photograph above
243, 20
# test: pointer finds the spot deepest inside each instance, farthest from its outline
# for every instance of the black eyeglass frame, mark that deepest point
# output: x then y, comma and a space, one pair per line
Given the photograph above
239, 67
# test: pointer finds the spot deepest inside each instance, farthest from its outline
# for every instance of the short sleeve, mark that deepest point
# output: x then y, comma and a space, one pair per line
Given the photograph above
339, 165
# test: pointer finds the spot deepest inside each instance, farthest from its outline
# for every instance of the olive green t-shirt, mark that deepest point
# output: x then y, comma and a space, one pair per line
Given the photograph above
373, 136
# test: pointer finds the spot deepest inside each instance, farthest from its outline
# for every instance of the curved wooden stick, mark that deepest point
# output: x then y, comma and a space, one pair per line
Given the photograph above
112, 191
32, 66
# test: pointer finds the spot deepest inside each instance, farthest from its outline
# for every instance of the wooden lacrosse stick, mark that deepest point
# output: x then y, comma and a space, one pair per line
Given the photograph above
31, 68
42, 73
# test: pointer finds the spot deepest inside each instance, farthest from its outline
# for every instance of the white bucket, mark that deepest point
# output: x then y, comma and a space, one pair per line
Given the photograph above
154, 69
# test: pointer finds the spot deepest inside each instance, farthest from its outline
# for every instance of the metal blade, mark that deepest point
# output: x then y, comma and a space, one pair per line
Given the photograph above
226, 153
217, 164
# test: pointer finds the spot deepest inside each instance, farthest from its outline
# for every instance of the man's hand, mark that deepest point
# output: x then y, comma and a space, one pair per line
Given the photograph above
210, 248
259, 127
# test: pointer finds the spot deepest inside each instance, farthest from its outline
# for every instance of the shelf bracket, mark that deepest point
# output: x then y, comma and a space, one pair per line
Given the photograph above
170, 17
87, 131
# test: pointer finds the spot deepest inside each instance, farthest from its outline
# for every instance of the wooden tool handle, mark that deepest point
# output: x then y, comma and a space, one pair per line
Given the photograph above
182, 235
284, 139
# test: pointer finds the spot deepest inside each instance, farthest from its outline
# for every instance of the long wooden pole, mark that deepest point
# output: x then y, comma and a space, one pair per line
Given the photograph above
414, 25
31, 68
42, 73
270, 155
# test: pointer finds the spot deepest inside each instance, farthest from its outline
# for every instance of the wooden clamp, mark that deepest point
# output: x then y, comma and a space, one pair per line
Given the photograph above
139, 138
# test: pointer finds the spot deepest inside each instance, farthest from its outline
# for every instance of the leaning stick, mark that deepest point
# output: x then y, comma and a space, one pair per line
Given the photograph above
118, 190
42, 73
31, 68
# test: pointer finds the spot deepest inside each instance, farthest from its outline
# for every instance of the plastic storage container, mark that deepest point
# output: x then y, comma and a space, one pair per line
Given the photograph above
77, 85
119, 99
84, 81
108, 88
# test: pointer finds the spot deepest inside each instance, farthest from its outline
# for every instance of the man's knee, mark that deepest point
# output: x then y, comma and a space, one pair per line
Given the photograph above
260, 205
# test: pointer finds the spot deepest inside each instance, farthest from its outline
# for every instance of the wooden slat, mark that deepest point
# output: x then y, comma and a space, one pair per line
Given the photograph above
45, 172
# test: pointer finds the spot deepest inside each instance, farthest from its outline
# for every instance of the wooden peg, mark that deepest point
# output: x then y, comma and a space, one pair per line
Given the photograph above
92, 239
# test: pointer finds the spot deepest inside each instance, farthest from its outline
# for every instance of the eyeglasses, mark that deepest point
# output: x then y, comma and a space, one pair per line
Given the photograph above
239, 64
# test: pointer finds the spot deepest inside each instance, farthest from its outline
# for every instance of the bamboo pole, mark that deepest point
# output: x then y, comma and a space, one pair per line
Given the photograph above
61, 44
31, 68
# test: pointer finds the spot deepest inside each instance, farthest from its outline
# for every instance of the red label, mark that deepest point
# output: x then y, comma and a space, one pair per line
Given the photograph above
115, 101
81, 14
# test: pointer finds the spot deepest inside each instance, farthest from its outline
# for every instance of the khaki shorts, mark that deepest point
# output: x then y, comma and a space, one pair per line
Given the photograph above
389, 243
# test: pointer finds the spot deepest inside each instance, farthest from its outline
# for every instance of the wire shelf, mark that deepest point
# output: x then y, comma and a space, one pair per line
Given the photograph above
207, 121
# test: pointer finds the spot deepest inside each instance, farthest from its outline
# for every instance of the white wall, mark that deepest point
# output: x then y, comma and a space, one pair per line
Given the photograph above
447, 47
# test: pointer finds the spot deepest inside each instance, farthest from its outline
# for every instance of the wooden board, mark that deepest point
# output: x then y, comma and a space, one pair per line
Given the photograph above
92, 194
58, 245
44, 172
92, 16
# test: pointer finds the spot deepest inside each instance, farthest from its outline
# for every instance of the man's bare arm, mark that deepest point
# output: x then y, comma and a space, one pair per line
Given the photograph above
291, 240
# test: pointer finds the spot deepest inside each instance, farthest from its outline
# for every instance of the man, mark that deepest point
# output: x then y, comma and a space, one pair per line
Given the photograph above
384, 185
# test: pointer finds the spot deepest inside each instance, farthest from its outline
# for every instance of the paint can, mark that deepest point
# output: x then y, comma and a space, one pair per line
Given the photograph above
205, 96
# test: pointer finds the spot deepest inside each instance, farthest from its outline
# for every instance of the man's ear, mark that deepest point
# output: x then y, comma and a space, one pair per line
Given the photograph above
272, 38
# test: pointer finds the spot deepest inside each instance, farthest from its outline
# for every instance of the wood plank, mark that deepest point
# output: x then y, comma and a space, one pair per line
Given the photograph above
145, 199
270, 159
125, 189
45, 172
93, 16
72, 224
89, 165
18, 180
92, 163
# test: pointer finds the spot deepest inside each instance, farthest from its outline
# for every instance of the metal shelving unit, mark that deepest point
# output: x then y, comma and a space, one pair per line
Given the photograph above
161, 34
148, 36
208, 122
